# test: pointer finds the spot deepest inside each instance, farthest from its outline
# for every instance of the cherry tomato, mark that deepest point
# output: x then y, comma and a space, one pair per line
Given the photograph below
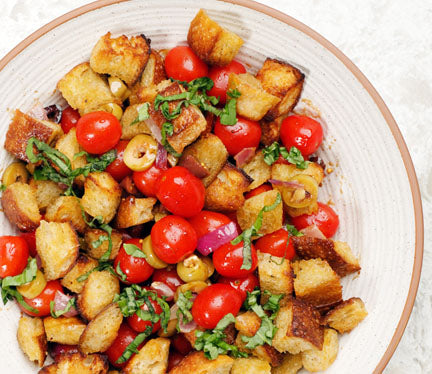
242, 285
245, 133
30, 238
137, 269
220, 75
140, 325
302, 132
147, 181
58, 349
173, 239
174, 359
98, 132
181, 192
42, 301
69, 119
276, 244
181, 344
325, 219
228, 260
183, 64
118, 168
215, 302
258, 190
168, 276
14, 254
207, 221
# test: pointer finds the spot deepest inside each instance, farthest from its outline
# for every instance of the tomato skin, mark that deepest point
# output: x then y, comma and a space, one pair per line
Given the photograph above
137, 269
138, 324
183, 64
174, 359
118, 168
258, 190
168, 276
14, 253
220, 75
275, 244
173, 239
69, 119
98, 132
181, 192
206, 221
245, 133
42, 301
30, 238
58, 349
215, 302
181, 344
147, 181
302, 132
228, 260
326, 219
242, 285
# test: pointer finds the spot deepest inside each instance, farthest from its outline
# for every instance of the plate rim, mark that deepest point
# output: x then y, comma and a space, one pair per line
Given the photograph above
388, 117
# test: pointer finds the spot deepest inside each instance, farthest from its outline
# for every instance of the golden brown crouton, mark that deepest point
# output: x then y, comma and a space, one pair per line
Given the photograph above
285, 172
102, 330
337, 254
32, 339
298, 328
248, 213
211, 42
20, 206
151, 359
248, 323
121, 57
133, 211
159, 212
319, 360
23, 127
46, 192
67, 209
225, 193
77, 363
98, 292
154, 71
57, 246
197, 363
130, 130
270, 130
316, 283
347, 315
82, 266
263, 352
91, 238
64, 330
102, 195
50, 369
140, 94
86, 90
250, 365
258, 170
291, 364
254, 101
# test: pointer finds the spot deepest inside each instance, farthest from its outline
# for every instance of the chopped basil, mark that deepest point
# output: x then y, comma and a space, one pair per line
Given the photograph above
228, 117
133, 346
101, 267
134, 251
292, 231
143, 114
168, 129
2, 187
120, 272
97, 223
57, 313
184, 304
293, 156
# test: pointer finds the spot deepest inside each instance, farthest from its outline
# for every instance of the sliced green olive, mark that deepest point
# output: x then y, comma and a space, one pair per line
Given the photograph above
195, 287
192, 269
34, 288
15, 172
140, 153
114, 109
118, 88
210, 266
302, 195
151, 257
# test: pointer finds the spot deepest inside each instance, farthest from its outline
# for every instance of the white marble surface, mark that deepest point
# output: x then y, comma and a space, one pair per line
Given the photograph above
391, 42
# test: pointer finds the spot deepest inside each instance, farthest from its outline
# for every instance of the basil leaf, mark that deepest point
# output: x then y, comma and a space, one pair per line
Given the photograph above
11, 293
143, 114
2, 187
56, 314
28, 274
293, 156
184, 304
271, 153
234, 94
168, 130
292, 231
133, 346
101, 267
165, 315
119, 271
225, 322
134, 251
273, 303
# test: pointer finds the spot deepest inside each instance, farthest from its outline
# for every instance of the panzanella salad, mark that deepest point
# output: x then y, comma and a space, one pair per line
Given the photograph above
169, 217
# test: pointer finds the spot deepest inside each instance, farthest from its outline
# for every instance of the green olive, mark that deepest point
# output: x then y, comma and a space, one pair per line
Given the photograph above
140, 153
118, 88
192, 269
151, 258
114, 109
15, 172
302, 196
34, 288
171, 329
210, 267
195, 287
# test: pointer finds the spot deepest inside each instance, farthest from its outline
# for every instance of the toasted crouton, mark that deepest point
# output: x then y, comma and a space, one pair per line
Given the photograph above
102, 195
154, 71
98, 292
337, 254
20, 206
50, 369
85, 90
32, 339
133, 211
92, 237
285, 172
316, 282
291, 364
77, 363
197, 363
140, 94
248, 213
102, 330
254, 101
64, 330
159, 212
347, 315
46, 192
258, 170
130, 130
23, 127
82, 266
248, 323
211, 42
299, 328
250, 365
225, 193
151, 359
319, 360
270, 130
67, 209
57, 246
264, 352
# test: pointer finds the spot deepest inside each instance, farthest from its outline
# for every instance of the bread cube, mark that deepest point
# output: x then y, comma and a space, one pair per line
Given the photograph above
258, 170
140, 94
82, 266
159, 212
67, 209
212, 43
197, 363
151, 359
93, 235
316, 360
270, 130
347, 315
64, 330
46, 192
50, 369
133, 211
291, 364
32, 339
154, 71
77, 363
129, 116
248, 323
250, 365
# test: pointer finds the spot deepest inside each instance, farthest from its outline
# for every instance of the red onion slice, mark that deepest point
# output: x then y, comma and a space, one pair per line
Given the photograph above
173, 311
163, 290
215, 239
194, 166
154, 128
313, 232
188, 327
278, 182
244, 156
161, 158
38, 112
60, 302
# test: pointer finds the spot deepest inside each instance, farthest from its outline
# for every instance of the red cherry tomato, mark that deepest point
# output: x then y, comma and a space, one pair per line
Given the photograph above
181, 192
42, 301
118, 168
173, 239
215, 302
137, 269
147, 181
245, 133
220, 75
140, 325
168, 276
207, 221
174, 359
58, 349
242, 285
98, 132
30, 238
69, 119
302, 132
277, 243
228, 260
181, 344
258, 190
14, 254
325, 219
183, 64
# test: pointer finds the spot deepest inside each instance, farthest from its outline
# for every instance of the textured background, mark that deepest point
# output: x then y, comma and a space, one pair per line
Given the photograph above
391, 42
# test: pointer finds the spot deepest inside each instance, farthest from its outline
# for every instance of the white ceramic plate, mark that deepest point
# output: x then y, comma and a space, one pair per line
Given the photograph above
374, 187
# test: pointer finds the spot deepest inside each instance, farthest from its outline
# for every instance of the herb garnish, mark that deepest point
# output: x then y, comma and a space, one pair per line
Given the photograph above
228, 116
168, 129
101, 267
134, 251
97, 223
143, 114
292, 231
184, 304
56, 314
294, 156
